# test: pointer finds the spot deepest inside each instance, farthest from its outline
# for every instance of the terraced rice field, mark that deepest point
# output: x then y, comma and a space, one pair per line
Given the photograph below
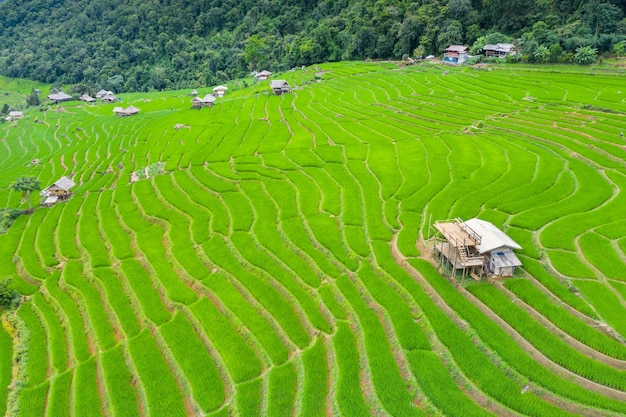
273, 269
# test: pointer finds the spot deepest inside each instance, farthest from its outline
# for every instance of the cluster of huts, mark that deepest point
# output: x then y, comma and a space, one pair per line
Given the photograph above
459, 54
278, 87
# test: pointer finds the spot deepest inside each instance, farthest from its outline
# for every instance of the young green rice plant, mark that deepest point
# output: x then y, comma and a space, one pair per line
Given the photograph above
326, 231
603, 256
376, 226
247, 248
549, 344
260, 289
308, 193
241, 212
86, 401
298, 237
145, 292
562, 292
605, 302
591, 184
33, 400
162, 392
118, 300
390, 387
563, 232
268, 236
115, 234
569, 323
27, 248
230, 344
77, 334
508, 392
88, 233
118, 381
174, 194
56, 338
350, 197
93, 303
355, 237
315, 387
349, 396
58, 401
383, 161
37, 365
437, 383
409, 233
282, 390
331, 300
45, 242
330, 191
193, 358
248, 398
409, 333
569, 264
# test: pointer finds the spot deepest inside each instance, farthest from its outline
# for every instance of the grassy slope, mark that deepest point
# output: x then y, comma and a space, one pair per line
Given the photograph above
275, 225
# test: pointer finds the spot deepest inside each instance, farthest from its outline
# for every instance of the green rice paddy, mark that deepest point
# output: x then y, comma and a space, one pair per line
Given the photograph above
273, 268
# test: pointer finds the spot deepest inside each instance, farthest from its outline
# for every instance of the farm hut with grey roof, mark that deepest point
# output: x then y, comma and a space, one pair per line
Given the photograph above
220, 90
14, 115
87, 98
200, 102
58, 191
280, 87
262, 76
476, 247
499, 50
59, 97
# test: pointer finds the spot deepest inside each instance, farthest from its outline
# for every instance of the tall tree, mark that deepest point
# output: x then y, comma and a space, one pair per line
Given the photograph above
25, 185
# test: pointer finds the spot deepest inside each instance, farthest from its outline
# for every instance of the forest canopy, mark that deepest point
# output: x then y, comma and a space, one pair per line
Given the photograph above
132, 45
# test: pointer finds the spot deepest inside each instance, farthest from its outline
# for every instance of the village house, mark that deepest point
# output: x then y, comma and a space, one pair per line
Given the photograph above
59, 97
125, 112
87, 98
14, 115
476, 247
220, 91
280, 87
102, 93
456, 54
200, 102
499, 50
59, 191
262, 76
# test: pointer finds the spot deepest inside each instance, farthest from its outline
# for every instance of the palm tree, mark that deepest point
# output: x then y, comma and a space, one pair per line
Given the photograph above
26, 185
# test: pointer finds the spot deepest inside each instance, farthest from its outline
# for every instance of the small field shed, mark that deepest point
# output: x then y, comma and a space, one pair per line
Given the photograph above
477, 247
60, 190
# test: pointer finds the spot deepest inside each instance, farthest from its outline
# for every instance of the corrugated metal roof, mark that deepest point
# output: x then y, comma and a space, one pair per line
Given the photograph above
492, 237
65, 183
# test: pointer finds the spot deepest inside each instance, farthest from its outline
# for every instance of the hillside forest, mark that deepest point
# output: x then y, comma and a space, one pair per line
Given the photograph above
141, 45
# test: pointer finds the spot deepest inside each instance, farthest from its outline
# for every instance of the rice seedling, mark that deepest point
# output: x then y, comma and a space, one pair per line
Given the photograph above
282, 390
193, 358
162, 392
228, 341
86, 401
119, 383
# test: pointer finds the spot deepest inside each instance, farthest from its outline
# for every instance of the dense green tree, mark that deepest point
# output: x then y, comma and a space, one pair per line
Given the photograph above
586, 55
26, 185
126, 45
9, 297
